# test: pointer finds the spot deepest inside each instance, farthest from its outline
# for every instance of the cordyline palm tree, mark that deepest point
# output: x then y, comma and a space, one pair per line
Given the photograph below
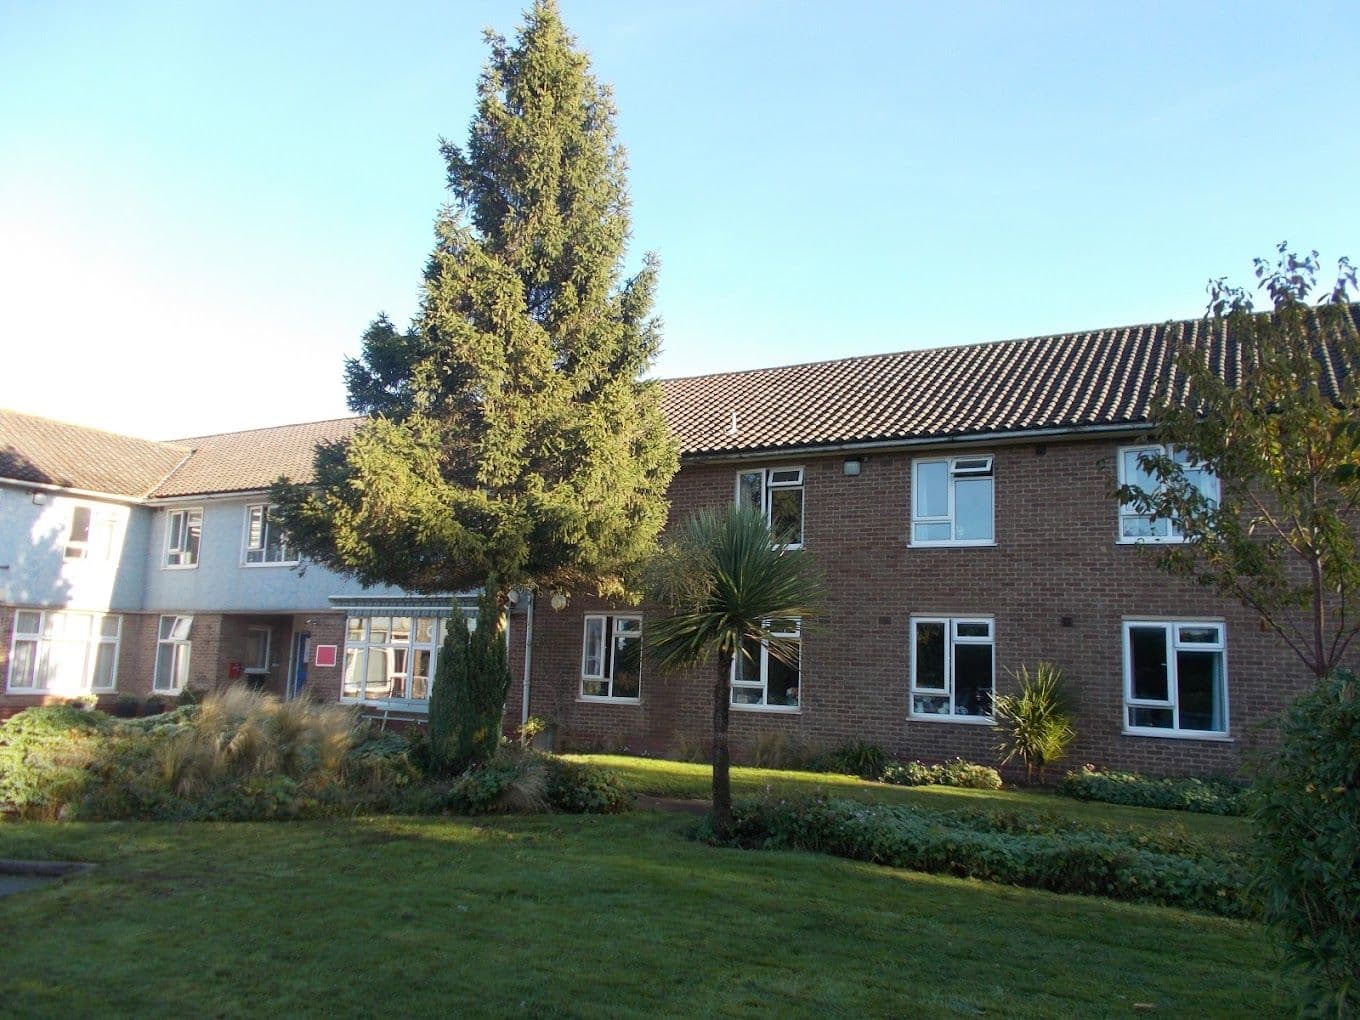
726, 578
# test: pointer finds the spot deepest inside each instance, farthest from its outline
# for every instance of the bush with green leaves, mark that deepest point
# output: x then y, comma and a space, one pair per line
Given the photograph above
956, 772
468, 697
581, 788
45, 758
1209, 796
1065, 858
1035, 723
855, 758
1307, 848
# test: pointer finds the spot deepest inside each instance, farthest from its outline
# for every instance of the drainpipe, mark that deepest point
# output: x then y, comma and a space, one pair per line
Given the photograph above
528, 655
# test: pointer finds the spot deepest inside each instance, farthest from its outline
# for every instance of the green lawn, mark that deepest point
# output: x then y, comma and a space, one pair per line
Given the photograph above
574, 916
660, 778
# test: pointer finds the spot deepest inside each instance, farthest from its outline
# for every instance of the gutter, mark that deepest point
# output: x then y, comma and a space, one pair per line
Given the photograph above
110, 497
528, 656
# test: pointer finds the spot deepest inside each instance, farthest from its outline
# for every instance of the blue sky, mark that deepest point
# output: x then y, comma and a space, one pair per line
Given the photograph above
203, 205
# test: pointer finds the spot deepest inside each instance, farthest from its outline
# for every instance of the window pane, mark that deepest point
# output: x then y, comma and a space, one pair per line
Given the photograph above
747, 696
1198, 635
973, 509
255, 527
594, 688
783, 683
425, 630
786, 476
354, 628
972, 629
1157, 718
179, 627
354, 671
401, 629
751, 490
930, 655
930, 704
593, 658
1148, 648
931, 533
420, 676
1199, 683
108, 626
627, 667
748, 664
378, 629
972, 679
21, 664
1134, 474
165, 667
27, 622
625, 625
257, 649
376, 682
194, 531
786, 515
104, 664
932, 489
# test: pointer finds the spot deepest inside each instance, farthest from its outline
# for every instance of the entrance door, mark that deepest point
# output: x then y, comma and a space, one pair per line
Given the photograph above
301, 646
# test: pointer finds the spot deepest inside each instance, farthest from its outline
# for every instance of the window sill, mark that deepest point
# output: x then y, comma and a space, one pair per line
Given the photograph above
179, 566
1149, 540
1215, 738
271, 563
390, 705
967, 720
991, 543
596, 699
775, 709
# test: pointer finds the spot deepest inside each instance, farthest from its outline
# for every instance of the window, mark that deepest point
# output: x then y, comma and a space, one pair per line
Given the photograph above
64, 652
1136, 527
763, 680
952, 500
182, 532
257, 651
611, 658
392, 658
172, 654
264, 540
952, 669
92, 534
778, 494
1175, 678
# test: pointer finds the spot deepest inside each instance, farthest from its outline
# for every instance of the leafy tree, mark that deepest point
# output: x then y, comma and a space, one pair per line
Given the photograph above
510, 438
726, 579
1276, 423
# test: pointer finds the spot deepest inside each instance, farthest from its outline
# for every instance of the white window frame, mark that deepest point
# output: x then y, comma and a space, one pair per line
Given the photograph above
103, 523
769, 485
1173, 628
259, 669
604, 670
43, 646
1174, 536
951, 516
257, 555
952, 638
762, 683
180, 657
174, 554
363, 646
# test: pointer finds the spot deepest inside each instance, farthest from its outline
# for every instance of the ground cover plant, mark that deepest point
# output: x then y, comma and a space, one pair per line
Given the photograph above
576, 916
1208, 796
956, 772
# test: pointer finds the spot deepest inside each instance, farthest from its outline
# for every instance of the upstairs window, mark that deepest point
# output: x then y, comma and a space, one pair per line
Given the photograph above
92, 534
183, 529
1138, 527
611, 658
264, 540
952, 501
778, 494
1175, 678
952, 669
763, 680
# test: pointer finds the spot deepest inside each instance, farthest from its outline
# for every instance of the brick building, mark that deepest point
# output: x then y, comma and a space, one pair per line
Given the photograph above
958, 501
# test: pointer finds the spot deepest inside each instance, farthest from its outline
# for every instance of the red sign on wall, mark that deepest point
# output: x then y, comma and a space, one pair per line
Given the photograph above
326, 654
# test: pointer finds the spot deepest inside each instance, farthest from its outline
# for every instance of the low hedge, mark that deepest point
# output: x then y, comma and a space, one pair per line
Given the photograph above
951, 773
1205, 796
1059, 857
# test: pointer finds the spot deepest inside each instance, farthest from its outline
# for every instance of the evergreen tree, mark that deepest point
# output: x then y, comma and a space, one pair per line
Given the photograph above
470, 684
510, 439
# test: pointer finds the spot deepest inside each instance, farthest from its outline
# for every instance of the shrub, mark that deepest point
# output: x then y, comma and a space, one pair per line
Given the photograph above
512, 782
1205, 796
690, 748
126, 707
1065, 859
779, 751
531, 729
45, 754
468, 697
856, 758
581, 788
1036, 723
1307, 849
951, 773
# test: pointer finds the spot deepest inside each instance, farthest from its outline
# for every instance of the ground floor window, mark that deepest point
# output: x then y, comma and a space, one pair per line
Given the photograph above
953, 668
64, 652
761, 679
172, 654
611, 658
1175, 677
392, 658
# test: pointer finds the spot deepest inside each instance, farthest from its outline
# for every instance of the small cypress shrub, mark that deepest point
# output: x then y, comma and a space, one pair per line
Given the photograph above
470, 685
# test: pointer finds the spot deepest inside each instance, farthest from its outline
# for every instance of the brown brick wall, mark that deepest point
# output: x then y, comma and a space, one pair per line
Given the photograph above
1057, 584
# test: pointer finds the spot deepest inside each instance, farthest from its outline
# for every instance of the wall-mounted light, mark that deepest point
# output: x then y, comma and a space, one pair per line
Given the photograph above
851, 467
39, 498
558, 601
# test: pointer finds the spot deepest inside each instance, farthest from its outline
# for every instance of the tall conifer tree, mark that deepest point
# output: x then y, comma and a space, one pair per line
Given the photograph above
510, 437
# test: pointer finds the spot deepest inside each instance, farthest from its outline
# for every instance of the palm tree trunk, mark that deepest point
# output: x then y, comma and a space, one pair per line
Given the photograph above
722, 759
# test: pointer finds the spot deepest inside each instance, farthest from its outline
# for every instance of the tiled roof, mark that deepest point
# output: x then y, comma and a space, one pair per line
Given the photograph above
242, 461
1079, 380
41, 450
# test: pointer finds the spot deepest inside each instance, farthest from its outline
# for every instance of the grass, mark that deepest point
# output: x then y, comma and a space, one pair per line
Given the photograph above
577, 917
660, 778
